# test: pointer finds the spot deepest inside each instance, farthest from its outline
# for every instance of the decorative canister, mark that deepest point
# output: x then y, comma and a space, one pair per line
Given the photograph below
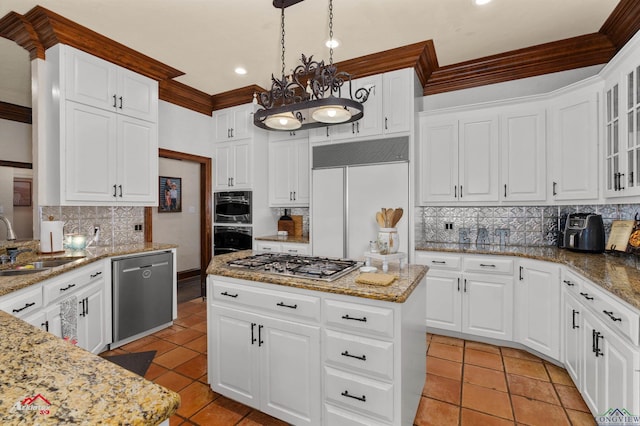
388, 240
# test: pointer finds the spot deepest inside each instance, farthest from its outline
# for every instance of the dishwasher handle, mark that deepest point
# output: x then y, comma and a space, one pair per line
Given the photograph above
153, 265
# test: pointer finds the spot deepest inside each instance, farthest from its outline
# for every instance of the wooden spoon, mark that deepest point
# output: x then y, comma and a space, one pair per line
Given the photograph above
380, 219
389, 218
397, 215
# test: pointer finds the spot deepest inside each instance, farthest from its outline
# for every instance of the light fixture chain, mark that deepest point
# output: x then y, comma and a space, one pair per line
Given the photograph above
330, 32
282, 39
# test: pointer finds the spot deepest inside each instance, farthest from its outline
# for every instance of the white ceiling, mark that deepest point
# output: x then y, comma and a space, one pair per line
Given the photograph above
207, 39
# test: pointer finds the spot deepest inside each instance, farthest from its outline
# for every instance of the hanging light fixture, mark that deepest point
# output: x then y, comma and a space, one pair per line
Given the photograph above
314, 95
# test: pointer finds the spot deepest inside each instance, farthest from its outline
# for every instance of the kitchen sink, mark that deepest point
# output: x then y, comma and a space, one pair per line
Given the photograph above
25, 271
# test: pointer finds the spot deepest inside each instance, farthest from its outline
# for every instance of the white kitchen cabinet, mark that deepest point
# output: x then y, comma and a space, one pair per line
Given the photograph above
277, 247
459, 157
233, 165
523, 153
268, 363
572, 335
23, 302
92, 317
109, 158
96, 82
47, 319
95, 153
234, 123
573, 138
470, 301
388, 110
537, 307
289, 173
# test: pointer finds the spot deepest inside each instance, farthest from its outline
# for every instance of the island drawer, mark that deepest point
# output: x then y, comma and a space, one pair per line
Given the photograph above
438, 260
23, 302
287, 303
334, 416
71, 281
358, 317
359, 393
359, 354
488, 264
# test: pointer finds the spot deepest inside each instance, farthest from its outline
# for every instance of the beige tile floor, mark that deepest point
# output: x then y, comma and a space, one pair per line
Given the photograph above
468, 383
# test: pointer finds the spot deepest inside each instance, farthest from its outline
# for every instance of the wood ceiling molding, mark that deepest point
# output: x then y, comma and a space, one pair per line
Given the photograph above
185, 96
235, 97
17, 28
623, 23
576, 52
15, 113
53, 29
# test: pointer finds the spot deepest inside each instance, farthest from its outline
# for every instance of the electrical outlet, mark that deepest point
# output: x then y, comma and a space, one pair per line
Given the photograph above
448, 226
137, 227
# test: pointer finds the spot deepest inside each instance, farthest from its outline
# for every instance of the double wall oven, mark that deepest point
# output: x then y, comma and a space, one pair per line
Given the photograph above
232, 222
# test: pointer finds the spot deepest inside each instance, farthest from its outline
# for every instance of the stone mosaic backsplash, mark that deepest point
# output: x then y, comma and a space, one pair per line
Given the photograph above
528, 225
116, 223
301, 211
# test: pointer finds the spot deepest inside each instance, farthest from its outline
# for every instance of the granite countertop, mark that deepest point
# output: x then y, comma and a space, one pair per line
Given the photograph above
9, 284
69, 384
618, 274
302, 239
407, 279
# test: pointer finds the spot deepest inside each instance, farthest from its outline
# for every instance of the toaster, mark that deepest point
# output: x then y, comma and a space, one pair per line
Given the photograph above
584, 232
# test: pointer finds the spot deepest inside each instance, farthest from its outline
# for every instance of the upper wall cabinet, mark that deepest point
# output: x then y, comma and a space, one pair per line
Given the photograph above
100, 134
289, 173
573, 138
387, 111
95, 82
234, 123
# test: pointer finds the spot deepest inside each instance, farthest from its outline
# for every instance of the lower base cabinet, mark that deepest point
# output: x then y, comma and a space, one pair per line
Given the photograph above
267, 363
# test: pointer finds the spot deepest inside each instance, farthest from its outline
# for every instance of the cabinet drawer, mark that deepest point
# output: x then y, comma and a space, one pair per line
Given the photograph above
71, 281
359, 393
571, 282
488, 264
334, 416
614, 314
359, 354
292, 248
24, 303
438, 261
363, 318
269, 300
265, 247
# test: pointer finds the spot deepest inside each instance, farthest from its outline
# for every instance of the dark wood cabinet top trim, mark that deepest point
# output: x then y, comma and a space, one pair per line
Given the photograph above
185, 96
17, 28
623, 23
235, 97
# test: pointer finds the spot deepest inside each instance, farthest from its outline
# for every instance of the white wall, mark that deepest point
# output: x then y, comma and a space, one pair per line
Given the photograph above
183, 130
15, 141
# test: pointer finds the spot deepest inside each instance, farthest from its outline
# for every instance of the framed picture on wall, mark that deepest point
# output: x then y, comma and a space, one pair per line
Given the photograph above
170, 194
21, 192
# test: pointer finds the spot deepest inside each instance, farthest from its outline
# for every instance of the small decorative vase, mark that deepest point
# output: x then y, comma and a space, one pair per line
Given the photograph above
388, 240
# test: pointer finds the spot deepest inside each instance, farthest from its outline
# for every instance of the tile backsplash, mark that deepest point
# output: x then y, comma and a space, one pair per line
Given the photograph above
302, 211
116, 223
528, 225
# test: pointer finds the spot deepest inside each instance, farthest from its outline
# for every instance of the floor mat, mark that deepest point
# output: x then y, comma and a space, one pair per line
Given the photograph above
137, 362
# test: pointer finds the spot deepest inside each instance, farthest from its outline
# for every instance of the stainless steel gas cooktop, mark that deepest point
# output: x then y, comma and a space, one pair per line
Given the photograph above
317, 268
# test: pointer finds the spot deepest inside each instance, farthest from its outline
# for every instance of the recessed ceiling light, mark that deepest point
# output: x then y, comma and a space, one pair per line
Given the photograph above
481, 2
240, 71
333, 43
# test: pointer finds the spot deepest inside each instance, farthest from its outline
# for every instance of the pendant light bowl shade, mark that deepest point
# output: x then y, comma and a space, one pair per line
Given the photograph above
283, 121
331, 114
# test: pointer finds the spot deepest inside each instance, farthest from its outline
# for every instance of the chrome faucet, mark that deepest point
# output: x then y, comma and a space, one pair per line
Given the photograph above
11, 235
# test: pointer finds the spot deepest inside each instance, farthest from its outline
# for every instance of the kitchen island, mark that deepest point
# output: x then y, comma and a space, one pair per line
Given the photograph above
318, 352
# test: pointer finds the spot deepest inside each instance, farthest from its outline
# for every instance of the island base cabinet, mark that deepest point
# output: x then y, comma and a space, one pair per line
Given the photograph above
267, 363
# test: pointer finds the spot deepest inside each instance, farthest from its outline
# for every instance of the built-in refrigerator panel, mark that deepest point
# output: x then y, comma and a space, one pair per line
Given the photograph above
350, 183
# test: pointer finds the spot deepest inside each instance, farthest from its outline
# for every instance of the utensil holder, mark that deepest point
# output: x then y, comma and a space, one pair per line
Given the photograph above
388, 240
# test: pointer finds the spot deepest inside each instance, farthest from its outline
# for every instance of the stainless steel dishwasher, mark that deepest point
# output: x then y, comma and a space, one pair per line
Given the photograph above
142, 295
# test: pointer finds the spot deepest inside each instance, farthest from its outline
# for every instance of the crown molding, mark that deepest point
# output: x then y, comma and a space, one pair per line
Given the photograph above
623, 23
13, 112
576, 52
185, 96
53, 29
17, 28
235, 97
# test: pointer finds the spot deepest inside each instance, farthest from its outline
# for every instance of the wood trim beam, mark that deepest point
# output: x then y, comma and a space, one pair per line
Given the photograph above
185, 96
576, 52
16, 164
17, 28
13, 112
235, 97
623, 23
53, 29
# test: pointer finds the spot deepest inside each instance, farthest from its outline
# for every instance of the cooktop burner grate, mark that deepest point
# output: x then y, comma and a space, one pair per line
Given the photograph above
319, 268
